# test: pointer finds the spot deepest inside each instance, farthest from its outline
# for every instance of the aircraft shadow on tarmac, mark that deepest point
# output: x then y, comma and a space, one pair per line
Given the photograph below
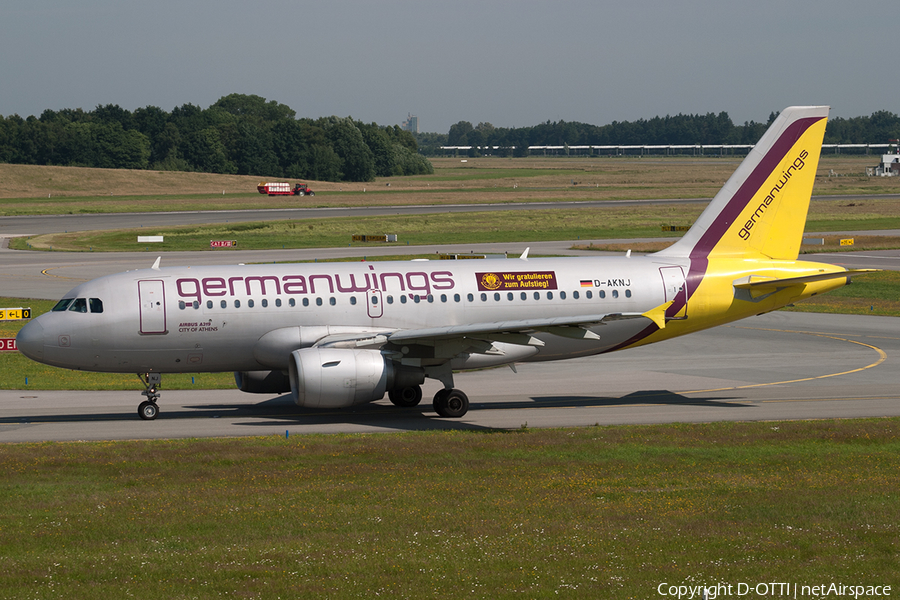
282, 411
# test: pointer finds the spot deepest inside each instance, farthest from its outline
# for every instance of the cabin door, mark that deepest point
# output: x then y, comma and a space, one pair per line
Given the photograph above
152, 299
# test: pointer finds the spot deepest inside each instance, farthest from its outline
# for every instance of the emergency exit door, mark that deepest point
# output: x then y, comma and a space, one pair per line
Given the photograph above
676, 290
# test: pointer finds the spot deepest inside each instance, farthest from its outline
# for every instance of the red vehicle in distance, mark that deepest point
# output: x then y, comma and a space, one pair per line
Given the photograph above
285, 189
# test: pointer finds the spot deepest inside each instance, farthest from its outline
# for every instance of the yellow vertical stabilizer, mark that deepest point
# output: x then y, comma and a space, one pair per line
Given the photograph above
760, 212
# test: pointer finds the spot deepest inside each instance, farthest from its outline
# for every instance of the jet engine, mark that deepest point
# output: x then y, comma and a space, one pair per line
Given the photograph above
339, 377
262, 382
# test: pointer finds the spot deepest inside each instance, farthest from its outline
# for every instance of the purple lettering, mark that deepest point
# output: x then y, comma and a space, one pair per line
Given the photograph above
294, 284
188, 293
262, 284
425, 287
399, 278
312, 283
213, 286
353, 286
443, 280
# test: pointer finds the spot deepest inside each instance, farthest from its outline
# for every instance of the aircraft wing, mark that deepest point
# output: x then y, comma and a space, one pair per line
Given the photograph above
576, 327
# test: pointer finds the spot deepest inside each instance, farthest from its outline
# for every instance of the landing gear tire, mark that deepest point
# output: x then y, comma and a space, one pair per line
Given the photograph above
406, 397
451, 404
148, 410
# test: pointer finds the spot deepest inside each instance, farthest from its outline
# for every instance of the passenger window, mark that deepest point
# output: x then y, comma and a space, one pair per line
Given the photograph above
496, 296
265, 303
250, 303
589, 294
562, 295
470, 297
278, 302
430, 298
537, 295
79, 305
575, 294
549, 295
96, 305
332, 301
416, 299
443, 297
390, 299
306, 302
318, 302
509, 296
628, 293
292, 302
237, 303
223, 304
524, 296
353, 300
209, 304
181, 305
600, 294
615, 293
456, 298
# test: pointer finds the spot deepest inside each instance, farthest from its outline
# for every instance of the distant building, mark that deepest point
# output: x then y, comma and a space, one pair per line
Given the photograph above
411, 124
890, 163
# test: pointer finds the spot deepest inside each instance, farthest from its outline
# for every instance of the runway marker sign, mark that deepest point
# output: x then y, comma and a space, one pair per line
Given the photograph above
14, 314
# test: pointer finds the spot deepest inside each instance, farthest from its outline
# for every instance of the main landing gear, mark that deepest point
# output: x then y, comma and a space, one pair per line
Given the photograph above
451, 403
406, 397
448, 403
148, 410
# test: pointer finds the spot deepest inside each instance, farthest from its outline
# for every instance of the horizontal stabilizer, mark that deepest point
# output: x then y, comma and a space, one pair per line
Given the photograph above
759, 282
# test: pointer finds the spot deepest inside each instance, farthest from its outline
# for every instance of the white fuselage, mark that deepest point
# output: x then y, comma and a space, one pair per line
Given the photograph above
192, 319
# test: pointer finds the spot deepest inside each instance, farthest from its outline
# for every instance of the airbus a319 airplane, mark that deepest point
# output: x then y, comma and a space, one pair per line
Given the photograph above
336, 335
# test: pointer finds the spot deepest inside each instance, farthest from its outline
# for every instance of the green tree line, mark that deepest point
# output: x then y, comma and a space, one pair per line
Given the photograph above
680, 129
239, 134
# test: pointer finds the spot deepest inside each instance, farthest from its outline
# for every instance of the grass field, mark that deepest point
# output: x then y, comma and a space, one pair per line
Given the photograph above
456, 228
28, 189
595, 512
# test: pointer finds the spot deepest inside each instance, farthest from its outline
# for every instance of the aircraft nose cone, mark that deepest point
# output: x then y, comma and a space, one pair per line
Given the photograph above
30, 340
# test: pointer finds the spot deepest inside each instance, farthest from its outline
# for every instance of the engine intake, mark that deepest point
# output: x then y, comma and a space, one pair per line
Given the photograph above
338, 377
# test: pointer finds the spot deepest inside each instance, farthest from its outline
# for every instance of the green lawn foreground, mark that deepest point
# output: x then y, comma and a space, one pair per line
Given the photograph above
595, 512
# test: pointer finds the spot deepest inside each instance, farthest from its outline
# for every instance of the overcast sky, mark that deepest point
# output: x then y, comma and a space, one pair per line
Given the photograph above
510, 63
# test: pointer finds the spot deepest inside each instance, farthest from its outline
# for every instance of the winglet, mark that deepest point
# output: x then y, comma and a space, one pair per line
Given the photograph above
155, 266
525, 254
658, 314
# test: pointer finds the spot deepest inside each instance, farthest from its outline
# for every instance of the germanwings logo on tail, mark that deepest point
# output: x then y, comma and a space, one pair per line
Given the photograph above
796, 166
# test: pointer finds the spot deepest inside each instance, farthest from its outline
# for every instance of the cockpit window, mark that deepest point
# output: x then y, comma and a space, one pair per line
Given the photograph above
96, 305
62, 305
79, 305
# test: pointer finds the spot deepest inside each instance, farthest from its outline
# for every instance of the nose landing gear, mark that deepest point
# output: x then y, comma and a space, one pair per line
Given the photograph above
148, 410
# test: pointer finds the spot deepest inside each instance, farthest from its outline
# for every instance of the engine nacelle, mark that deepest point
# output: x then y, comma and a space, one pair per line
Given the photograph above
338, 377
262, 382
